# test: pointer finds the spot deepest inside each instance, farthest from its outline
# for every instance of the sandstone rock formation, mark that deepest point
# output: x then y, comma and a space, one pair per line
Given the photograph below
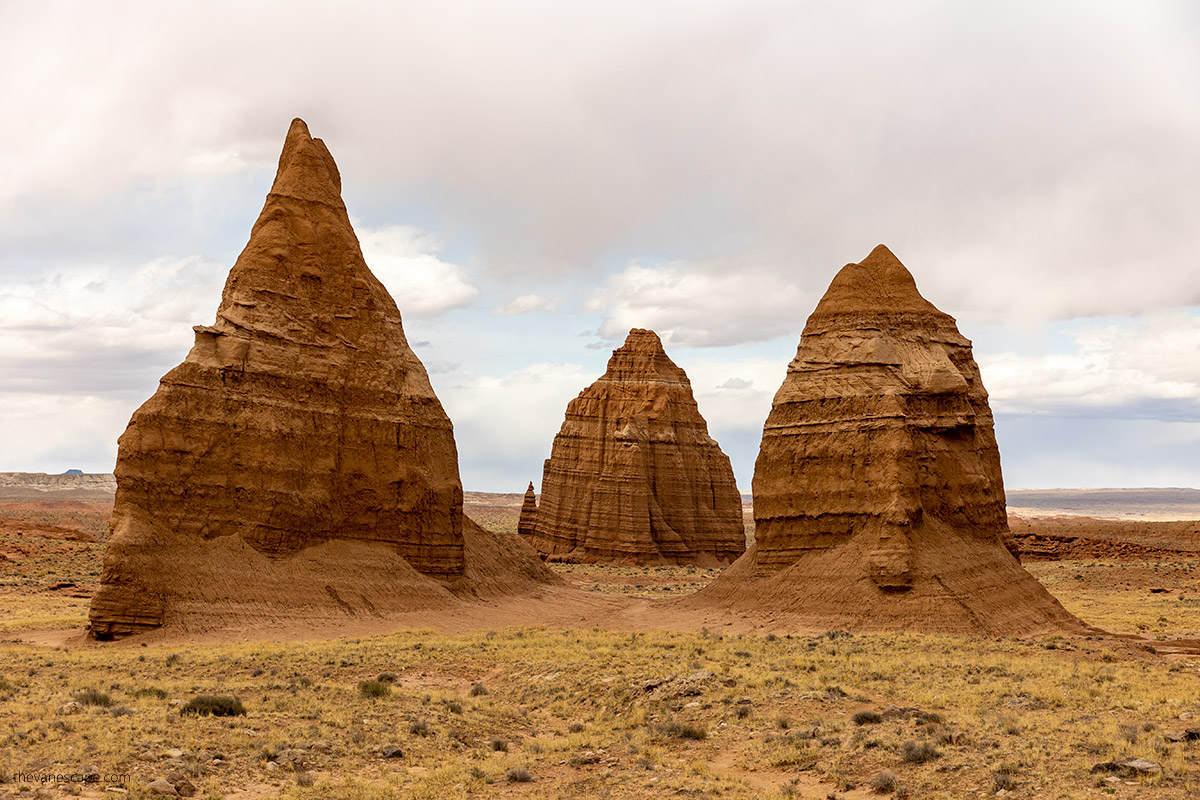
527, 522
298, 457
633, 476
878, 498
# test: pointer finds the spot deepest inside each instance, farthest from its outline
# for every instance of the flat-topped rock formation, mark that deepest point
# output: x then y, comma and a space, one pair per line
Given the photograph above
298, 456
633, 476
878, 498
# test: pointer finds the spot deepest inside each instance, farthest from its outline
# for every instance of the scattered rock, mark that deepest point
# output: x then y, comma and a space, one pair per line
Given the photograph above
163, 788
690, 686
271, 766
1130, 767
185, 788
70, 708
391, 751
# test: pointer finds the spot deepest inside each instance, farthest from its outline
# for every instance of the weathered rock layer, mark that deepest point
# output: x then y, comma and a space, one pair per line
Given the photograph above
633, 476
878, 497
301, 417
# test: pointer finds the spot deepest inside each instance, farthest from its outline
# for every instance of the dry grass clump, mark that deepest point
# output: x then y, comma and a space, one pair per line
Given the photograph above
518, 775
215, 705
374, 689
681, 730
918, 752
884, 782
92, 697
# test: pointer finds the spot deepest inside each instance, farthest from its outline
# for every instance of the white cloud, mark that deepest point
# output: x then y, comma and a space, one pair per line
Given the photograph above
701, 305
504, 426
525, 304
405, 259
93, 328
1141, 368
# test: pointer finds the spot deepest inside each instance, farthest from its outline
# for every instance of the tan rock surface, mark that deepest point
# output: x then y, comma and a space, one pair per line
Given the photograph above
633, 476
299, 454
878, 497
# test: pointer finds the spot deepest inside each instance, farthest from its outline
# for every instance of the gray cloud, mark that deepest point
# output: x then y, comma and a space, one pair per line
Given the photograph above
1024, 157
1028, 161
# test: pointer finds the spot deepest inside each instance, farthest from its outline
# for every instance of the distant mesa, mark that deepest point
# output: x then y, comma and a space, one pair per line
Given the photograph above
298, 461
633, 475
73, 472
878, 498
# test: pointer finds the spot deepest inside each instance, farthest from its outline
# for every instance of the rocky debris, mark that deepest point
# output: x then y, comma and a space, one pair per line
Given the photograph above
878, 497
526, 524
1130, 767
675, 686
1036, 546
70, 707
1187, 735
633, 475
163, 788
391, 751
298, 460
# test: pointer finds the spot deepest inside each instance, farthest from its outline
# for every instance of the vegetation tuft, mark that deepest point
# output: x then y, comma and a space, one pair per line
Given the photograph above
215, 705
918, 752
92, 697
373, 689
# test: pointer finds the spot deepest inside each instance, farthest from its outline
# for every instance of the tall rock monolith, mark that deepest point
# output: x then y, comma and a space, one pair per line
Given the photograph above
300, 421
633, 475
878, 497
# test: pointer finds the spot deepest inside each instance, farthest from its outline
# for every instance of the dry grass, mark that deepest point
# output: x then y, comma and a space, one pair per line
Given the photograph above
474, 715
573, 712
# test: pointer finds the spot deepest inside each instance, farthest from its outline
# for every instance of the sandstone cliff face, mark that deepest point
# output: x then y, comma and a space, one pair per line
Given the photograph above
878, 498
300, 417
633, 476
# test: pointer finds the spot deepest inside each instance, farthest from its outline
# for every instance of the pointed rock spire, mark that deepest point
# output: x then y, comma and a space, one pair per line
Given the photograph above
878, 498
300, 417
879, 284
633, 476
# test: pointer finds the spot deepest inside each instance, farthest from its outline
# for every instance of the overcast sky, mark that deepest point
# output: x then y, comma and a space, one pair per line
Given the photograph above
530, 180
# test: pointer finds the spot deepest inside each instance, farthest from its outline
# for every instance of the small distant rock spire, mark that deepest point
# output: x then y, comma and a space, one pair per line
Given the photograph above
633, 476
528, 521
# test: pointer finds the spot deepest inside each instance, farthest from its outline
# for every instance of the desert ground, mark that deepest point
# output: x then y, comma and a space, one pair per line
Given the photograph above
605, 697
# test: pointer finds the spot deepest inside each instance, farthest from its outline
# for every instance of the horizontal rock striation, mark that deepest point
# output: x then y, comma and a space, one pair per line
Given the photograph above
633, 476
300, 417
878, 497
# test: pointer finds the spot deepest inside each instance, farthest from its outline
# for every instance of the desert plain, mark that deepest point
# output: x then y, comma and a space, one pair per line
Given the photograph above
594, 691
